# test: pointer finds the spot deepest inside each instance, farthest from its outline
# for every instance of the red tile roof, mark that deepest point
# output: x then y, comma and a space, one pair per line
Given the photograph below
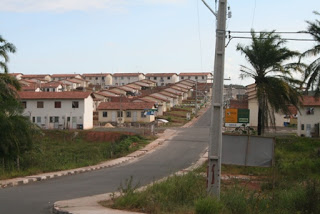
310, 101
64, 75
53, 95
158, 98
96, 74
168, 94
125, 106
127, 74
29, 88
50, 85
15, 74
160, 74
35, 76
105, 94
195, 74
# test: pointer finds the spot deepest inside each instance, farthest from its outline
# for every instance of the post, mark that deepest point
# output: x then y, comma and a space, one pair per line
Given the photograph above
196, 105
215, 147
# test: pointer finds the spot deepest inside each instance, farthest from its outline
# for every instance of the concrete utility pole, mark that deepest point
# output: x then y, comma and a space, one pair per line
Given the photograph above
215, 147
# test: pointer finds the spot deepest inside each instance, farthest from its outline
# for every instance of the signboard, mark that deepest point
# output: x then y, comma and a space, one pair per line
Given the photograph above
237, 116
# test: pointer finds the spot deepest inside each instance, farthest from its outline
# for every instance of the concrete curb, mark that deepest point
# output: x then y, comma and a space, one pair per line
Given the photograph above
90, 205
45, 176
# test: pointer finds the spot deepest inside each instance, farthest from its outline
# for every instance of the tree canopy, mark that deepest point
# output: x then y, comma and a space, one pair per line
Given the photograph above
275, 86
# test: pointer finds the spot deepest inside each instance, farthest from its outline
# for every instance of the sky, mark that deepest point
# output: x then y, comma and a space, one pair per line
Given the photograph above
148, 36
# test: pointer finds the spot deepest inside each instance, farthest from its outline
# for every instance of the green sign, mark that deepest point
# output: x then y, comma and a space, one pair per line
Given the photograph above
243, 115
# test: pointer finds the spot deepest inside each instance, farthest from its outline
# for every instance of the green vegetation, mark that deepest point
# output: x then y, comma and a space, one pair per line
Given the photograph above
292, 186
60, 150
17, 132
274, 83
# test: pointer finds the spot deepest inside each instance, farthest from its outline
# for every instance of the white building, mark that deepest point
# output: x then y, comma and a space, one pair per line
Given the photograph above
163, 79
64, 110
58, 77
309, 117
119, 79
100, 79
203, 77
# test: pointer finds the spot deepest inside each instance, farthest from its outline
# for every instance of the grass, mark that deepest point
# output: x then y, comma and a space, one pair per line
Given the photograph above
292, 186
60, 150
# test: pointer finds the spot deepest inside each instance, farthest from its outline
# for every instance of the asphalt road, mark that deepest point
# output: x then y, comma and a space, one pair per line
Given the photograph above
176, 154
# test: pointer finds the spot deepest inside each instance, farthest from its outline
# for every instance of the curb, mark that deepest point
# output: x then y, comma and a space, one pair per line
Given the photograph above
110, 163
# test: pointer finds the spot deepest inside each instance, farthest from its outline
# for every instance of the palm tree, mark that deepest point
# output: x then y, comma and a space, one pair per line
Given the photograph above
275, 86
312, 72
5, 47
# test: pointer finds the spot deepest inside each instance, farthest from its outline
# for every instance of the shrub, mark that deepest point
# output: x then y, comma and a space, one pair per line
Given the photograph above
208, 205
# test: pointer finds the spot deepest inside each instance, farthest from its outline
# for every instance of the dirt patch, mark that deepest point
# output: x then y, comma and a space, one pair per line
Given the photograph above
104, 136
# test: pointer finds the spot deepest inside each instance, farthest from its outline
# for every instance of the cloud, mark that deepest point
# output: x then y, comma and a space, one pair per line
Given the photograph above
73, 5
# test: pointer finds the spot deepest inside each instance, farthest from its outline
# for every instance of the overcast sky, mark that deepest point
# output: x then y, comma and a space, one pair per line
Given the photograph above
82, 36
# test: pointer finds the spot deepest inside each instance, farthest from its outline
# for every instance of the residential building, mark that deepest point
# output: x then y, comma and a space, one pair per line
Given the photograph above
63, 110
43, 77
121, 112
99, 79
202, 77
18, 76
58, 77
163, 79
119, 79
309, 117
51, 87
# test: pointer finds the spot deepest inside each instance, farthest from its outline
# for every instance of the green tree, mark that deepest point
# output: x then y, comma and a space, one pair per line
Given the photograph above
312, 71
16, 131
275, 85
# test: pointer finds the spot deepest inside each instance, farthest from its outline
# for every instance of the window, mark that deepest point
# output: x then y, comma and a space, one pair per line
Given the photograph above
203, 77
120, 113
302, 126
196, 77
122, 78
310, 110
102, 78
105, 114
57, 104
128, 113
89, 78
75, 104
162, 84
188, 77
168, 78
182, 78
38, 119
115, 78
143, 114
56, 119
149, 78
53, 89
96, 78
24, 104
155, 78
33, 119
51, 119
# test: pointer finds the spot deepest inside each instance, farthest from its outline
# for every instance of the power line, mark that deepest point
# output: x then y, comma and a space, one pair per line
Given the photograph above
277, 32
254, 12
199, 34
289, 39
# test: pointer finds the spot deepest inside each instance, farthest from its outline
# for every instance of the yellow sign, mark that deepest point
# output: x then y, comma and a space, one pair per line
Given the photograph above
231, 116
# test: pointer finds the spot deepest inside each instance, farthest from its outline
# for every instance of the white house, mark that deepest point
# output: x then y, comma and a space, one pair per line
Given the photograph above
309, 117
126, 78
202, 77
58, 77
163, 79
51, 87
100, 79
64, 110
120, 112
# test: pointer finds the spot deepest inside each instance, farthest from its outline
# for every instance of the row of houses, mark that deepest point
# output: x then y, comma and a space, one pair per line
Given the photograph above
104, 80
75, 109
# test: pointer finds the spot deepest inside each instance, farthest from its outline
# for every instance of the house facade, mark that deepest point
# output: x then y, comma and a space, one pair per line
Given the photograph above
202, 77
309, 117
163, 79
121, 112
64, 110
119, 79
99, 79
58, 77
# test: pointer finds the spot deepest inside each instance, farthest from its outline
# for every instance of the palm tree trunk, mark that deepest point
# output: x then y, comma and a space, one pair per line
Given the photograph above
259, 121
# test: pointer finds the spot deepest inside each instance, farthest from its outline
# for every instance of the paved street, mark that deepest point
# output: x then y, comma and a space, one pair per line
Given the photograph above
176, 154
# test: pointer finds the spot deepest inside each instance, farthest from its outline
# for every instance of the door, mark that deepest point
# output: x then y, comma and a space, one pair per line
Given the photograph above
134, 116
114, 116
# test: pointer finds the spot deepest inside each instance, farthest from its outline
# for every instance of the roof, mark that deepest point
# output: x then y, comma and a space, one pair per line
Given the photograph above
29, 88
51, 85
15, 74
34, 75
53, 95
160, 74
167, 94
127, 74
105, 95
64, 75
195, 74
96, 74
125, 106
310, 101
157, 97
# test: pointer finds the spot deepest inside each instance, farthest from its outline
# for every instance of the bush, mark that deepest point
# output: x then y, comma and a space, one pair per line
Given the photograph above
208, 205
